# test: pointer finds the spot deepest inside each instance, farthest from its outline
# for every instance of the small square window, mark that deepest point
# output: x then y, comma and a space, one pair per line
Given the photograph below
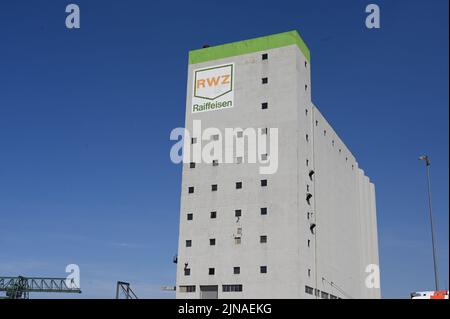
193, 140
236, 270
238, 185
187, 271
237, 240
215, 162
263, 239
187, 288
211, 271
263, 182
263, 269
215, 137
263, 210
191, 189
192, 165
188, 243
213, 215
240, 134
264, 131
265, 80
264, 105
265, 56
238, 213
190, 216
263, 157
212, 241
214, 187
239, 160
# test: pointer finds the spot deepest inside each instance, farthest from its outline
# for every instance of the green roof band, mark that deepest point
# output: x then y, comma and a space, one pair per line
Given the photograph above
249, 46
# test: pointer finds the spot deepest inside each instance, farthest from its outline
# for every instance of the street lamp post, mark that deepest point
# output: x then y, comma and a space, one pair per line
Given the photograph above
428, 163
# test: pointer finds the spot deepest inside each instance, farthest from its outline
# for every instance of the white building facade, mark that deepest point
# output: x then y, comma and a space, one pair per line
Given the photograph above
309, 230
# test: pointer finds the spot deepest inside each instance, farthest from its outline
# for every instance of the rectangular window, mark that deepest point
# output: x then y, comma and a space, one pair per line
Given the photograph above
263, 182
240, 134
192, 165
264, 80
187, 288
333, 297
215, 162
264, 105
263, 157
213, 215
263, 239
263, 269
309, 290
263, 210
232, 288
190, 216
236, 270
264, 56
187, 271
193, 140
237, 240
188, 243
214, 187
238, 185
211, 271
264, 131
215, 137
212, 242
237, 213
191, 189
324, 295
239, 160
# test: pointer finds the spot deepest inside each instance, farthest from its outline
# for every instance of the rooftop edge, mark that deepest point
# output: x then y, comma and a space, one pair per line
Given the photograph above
249, 46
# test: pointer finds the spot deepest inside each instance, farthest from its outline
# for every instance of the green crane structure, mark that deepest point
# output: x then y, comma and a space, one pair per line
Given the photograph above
20, 287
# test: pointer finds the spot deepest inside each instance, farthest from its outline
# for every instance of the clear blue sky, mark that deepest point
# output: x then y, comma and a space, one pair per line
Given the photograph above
85, 117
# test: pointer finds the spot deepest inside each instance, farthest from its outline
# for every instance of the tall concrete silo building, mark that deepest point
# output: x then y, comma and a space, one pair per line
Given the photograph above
307, 229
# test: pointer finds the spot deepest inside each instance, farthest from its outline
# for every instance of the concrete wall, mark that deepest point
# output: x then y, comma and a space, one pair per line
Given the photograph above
342, 206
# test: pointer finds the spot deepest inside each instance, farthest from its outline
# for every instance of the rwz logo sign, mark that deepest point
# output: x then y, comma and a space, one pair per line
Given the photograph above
213, 82
213, 88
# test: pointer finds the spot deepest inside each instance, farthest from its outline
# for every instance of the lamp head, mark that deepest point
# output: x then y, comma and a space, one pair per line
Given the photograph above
425, 158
